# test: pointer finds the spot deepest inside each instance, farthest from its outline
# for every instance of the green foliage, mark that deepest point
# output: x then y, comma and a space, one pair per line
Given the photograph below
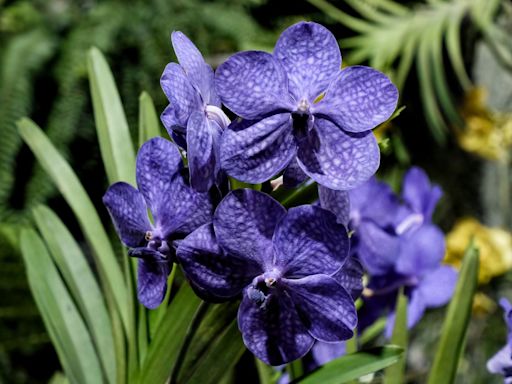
395, 373
453, 334
392, 37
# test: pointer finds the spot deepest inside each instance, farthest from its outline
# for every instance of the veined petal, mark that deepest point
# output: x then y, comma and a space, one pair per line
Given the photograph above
252, 84
183, 98
437, 287
308, 240
419, 194
212, 270
254, 151
337, 202
336, 159
311, 57
293, 175
152, 282
350, 276
196, 69
158, 161
275, 332
244, 223
203, 141
359, 99
128, 212
327, 309
421, 252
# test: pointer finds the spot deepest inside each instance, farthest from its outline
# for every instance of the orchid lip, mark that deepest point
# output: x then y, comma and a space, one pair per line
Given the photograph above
216, 114
409, 222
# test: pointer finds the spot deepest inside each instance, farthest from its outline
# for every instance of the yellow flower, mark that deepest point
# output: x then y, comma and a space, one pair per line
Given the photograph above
494, 244
486, 133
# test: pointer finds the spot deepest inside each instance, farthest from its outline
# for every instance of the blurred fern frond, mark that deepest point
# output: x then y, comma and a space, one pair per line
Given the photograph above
393, 37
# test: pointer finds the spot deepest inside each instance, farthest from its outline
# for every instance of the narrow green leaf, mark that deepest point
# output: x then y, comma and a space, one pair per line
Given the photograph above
304, 194
149, 124
453, 47
340, 16
266, 373
75, 195
217, 318
237, 184
455, 325
373, 331
111, 125
58, 378
78, 276
395, 373
169, 337
220, 357
67, 328
350, 367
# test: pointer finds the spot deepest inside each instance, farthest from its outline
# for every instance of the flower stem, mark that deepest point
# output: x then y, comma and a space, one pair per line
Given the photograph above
295, 369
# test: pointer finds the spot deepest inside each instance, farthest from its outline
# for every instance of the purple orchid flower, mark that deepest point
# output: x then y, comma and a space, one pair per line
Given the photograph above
397, 244
176, 209
283, 265
297, 103
194, 117
501, 362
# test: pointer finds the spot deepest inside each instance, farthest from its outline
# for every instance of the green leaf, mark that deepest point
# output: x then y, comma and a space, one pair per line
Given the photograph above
78, 276
217, 318
75, 195
149, 124
306, 193
111, 125
350, 367
373, 331
266, 373
222, 355
395, 373
163, 350
66, 328
458, 314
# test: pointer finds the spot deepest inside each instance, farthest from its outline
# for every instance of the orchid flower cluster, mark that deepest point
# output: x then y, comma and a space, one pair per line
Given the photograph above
296, 271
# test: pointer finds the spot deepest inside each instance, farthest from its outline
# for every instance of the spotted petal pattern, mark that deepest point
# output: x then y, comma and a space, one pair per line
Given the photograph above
337, 202
244, 223
359, 99
211, 269
253, 84
182, 96
275, 334
326, 306
309, 241
253, 152
128, 212
152, 282
336, 159
311, 58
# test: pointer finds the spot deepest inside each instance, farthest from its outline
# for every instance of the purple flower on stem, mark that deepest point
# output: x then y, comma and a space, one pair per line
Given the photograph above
501, 362
283, 264
194, 112
176, 210
397, 243
297, 103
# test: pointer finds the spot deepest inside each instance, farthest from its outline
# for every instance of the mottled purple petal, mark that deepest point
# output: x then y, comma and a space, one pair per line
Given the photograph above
244, 223
152, 282
325, 352
203, 141
309, 241
336, 159
501, 361
183, 98
350, 276
199, 73
170, 121
337, 202
421, 252
158, 161
212, 270
419, 194
293, 175
359, 99
274, 333
128, 212
377, 248
327, 309
190, 208
437, 287
311, 57
253, 152
373, 200
253, 84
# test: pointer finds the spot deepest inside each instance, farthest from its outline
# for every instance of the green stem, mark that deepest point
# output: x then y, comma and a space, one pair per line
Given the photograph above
295, 369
